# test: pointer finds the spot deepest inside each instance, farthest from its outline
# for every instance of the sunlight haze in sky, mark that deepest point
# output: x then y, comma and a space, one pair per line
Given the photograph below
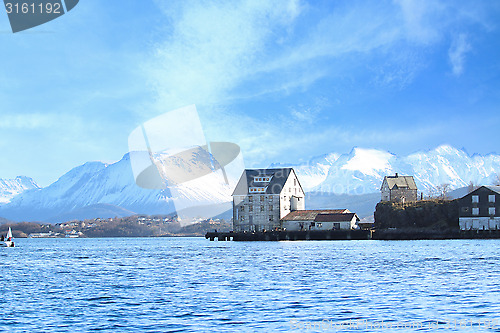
286, 80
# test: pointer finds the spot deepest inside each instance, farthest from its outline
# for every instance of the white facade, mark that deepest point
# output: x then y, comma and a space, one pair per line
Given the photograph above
291, 189
256, 212
263, 196
479, 223
311, 225
327, 219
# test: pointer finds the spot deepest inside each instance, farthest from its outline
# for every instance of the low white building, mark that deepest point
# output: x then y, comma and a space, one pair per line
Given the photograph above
328, 219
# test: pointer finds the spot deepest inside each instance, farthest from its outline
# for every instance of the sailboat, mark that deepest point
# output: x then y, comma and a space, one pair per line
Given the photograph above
8, 240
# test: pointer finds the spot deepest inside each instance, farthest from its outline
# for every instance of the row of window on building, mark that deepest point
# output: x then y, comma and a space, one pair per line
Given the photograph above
491, 198
262, 198
491, 211
262, 179
258, 189
250, 218
250, 208
264, 189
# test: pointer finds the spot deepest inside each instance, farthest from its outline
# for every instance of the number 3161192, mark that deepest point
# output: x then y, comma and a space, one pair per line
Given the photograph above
31, 8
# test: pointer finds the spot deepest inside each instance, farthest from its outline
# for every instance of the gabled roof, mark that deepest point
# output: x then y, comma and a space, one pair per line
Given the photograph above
311, 215
396, 182
494, 188
275, 186
337, 217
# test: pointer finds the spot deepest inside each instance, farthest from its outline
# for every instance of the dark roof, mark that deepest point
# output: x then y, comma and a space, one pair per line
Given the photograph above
310, 215
397, 181
338, 217
278, 180
494, 188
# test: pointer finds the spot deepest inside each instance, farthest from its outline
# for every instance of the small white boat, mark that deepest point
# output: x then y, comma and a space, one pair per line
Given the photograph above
7, 241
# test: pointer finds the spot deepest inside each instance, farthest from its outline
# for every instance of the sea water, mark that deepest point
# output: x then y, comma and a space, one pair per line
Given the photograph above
194, 285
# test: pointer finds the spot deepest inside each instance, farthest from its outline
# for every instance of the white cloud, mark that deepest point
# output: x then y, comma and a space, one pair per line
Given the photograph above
422, 20
458, 49
217, 54
214, 47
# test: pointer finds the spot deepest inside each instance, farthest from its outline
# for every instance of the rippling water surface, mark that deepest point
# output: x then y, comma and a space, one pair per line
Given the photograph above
192, 284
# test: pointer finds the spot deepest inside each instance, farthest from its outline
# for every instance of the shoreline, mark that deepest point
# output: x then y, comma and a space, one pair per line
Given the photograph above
382, 234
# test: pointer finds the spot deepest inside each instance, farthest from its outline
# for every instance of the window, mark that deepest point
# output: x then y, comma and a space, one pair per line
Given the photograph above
242, 208
271, 218
262, 179
250, 219
491, 198
242, 218
475, 198
270, 207
257, 189
475, 211
261, 208
261, 198
250, 208
289, 189
250, 198
491, 211
294, 182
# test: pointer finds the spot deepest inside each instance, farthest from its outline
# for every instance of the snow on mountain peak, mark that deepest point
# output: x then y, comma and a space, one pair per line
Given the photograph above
9, 188
359, 172
448, 150
362, 170
369, 161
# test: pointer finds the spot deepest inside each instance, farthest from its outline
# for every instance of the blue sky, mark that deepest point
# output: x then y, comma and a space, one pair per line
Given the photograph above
286, 80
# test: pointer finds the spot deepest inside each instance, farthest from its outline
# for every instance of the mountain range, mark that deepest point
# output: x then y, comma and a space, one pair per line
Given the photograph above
352, 180
362, 170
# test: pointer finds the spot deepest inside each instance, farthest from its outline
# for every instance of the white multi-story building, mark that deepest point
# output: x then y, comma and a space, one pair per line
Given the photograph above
263, 197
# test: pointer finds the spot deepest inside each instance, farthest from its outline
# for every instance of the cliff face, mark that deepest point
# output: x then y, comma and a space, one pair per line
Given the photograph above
421, 214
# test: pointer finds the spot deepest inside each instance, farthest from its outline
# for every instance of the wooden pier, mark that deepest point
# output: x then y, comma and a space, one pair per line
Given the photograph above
285, 235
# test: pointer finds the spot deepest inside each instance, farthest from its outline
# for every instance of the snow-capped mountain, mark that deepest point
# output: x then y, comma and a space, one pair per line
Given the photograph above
362, 170
9, 188
96, 188
314, 172
96, 183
